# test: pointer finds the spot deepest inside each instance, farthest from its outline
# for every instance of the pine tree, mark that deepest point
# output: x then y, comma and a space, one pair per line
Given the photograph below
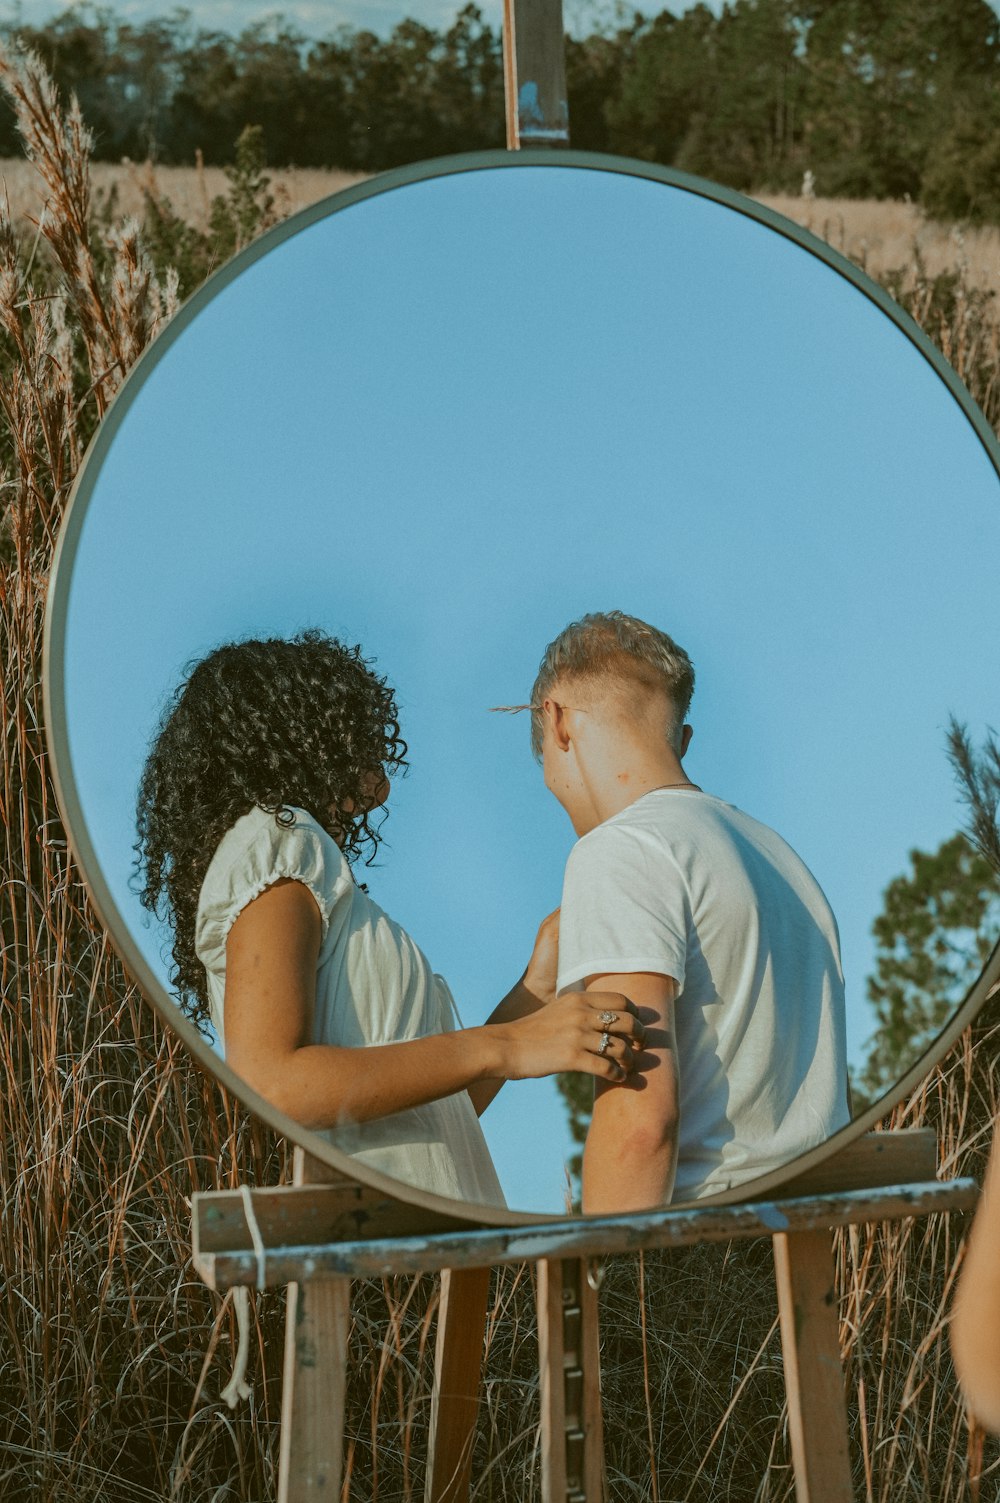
938, 924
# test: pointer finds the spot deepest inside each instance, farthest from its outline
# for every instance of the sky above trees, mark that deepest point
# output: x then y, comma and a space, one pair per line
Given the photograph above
317, 18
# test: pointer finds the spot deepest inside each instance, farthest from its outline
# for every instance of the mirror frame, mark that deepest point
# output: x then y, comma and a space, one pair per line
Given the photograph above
57, 731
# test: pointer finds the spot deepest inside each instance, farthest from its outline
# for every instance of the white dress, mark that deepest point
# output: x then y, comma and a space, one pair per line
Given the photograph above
373, 986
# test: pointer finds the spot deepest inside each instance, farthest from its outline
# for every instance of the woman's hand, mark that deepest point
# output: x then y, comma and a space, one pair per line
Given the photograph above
540, 976
568, 1033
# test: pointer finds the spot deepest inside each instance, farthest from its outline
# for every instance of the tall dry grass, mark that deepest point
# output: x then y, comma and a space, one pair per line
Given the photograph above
879, 234
112, 1354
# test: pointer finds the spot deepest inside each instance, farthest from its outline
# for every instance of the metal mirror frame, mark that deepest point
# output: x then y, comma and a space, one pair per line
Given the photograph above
68, 797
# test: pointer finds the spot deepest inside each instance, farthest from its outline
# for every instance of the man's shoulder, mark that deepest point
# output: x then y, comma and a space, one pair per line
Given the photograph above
696, 833
668, 819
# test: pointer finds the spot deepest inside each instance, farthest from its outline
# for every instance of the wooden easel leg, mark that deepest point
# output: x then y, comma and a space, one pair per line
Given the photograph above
814, 1377
311, 1454
317, 1321
458, 1362
570, 1384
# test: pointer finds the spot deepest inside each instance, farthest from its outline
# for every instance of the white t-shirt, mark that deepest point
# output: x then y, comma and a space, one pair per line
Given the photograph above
373, 986
682, 884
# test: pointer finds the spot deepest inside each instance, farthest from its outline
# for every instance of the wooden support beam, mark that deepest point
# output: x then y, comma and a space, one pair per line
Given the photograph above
458, 1362
534, 55
572, 1440
343, 1211
814, 1377
311, 1451
902, 1157
317, 1321
304, 1216
552, 1394
584, 1237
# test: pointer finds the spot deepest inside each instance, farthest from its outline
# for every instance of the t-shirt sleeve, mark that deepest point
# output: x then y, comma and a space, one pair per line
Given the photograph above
624, 909
248, 861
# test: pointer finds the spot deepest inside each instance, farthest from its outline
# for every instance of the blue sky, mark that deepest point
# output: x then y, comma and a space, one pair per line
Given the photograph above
316, 18
422, 426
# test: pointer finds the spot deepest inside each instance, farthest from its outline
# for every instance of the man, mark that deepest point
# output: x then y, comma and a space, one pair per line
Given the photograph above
703, 917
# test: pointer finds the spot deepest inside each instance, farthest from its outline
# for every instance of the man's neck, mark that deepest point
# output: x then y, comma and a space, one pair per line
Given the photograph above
615, 788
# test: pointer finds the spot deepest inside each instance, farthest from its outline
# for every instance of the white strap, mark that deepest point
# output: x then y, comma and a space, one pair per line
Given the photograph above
238, 1388
253, 1227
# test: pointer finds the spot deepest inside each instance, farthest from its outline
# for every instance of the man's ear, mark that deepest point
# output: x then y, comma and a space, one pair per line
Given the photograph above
555, 714
687, 732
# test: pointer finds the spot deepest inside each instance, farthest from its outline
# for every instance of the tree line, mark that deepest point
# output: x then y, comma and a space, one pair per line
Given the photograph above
871, 98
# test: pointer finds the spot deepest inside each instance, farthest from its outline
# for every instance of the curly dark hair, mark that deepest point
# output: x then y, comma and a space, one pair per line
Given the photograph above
301, 721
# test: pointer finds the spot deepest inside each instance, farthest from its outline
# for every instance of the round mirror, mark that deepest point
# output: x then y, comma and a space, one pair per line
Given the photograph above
450, 410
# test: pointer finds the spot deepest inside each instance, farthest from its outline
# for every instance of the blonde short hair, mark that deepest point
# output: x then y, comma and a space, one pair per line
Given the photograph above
610, 645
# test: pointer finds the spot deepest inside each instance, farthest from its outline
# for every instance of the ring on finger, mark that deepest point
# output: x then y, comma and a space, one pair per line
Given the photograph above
602, 1047
607, 1018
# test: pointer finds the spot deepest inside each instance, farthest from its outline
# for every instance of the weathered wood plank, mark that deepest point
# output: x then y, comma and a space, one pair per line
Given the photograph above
572, 1439
901, 1157
311, 1451
317, 1321
551, 1379
306, 1215
458, 1362
585, 1237
344, 1211
535, 73
814, 1378
594, 1482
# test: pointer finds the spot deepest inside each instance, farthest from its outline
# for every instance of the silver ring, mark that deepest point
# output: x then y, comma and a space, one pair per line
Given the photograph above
607, 1018
605, 1041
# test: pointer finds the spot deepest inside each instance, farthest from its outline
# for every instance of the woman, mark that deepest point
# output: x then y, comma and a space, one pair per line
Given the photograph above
975, 1322
259, 792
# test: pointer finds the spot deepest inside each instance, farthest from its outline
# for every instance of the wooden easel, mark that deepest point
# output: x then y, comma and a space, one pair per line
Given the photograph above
319, 1233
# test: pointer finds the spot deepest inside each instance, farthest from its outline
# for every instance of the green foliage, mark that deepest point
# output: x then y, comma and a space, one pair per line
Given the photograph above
978, 776
874, 97
234, 219
164, 91
938, 924
248, 208
577, 1091
962, 177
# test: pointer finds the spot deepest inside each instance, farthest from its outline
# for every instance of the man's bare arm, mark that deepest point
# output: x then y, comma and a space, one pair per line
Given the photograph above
535, 989
630, 1157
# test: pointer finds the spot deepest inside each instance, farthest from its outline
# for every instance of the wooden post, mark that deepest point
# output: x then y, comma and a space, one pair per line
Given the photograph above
317, 1321
458, 1362
814, 1378
534, 64
570, 1384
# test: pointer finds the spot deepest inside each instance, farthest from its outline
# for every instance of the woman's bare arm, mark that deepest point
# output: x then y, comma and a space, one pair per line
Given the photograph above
975, 1324
271, 958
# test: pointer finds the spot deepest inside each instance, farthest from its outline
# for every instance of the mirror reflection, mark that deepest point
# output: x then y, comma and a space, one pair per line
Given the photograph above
444, 421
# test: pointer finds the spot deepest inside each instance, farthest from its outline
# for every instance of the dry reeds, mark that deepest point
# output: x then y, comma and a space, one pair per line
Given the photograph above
112, 1353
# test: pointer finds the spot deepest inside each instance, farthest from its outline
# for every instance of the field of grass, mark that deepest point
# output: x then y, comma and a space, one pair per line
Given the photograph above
878, 235
113, 1355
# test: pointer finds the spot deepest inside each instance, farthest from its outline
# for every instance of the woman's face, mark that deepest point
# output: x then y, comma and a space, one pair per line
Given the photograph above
375, 791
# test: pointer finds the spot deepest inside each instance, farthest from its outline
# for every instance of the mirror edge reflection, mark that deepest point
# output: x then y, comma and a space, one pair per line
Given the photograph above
443, 1210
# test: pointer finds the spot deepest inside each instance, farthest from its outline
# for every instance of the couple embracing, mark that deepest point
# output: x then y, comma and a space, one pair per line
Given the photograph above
693, 969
